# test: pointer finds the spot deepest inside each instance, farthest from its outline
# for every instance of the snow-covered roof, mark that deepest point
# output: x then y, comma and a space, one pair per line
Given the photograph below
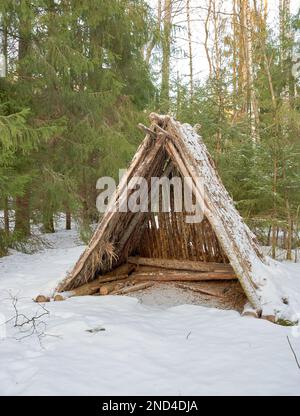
183, 145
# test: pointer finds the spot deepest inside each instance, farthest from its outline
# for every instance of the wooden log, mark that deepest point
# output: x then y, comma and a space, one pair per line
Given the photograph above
94, 286
105, 289
58, 297
188, 265
110, 287
133, 288
182, 276
161, 270
42, 299
199, 290
106, 278
125, 268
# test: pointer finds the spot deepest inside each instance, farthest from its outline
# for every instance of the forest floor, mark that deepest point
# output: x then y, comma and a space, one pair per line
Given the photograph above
159, 345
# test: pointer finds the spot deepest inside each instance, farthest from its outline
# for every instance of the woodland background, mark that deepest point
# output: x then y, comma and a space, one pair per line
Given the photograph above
80, 75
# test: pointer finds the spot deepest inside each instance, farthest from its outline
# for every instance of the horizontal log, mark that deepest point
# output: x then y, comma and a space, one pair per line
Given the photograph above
177, 276
199, 290
125, 268
188, 265
110, 287
134, 288
93, 287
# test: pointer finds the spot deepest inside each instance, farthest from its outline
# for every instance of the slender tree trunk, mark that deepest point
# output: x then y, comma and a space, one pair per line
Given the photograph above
206, 47
217, 66
289, 215
234, 52
269, 236
48, 223
188, 15
254, 114
4, 45
265, 10
242, 56
6, 216
5, 55
154, 40
274, 236
289, 234
22, 215
22, 210
178, 96
166, 49
68, 220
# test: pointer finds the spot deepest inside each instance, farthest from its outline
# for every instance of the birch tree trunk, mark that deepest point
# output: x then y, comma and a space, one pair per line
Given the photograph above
6, 215
188, 15
206, 47
155, 36
4, 49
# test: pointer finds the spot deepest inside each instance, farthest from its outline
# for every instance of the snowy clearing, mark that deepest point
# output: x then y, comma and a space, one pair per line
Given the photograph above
118, 346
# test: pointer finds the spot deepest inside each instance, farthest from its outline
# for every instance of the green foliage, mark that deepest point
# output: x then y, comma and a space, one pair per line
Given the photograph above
76, 85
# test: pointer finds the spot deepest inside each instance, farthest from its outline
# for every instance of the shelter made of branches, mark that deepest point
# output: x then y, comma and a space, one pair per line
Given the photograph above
223, 238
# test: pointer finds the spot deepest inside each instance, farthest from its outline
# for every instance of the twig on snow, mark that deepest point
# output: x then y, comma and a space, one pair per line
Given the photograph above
187, 337
292, 349
29, 325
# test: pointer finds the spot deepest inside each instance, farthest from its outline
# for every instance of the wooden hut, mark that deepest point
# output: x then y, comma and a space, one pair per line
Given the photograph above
130, 250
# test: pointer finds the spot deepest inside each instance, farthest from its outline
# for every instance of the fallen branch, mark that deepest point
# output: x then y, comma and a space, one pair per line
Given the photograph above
199, 290
295, 355
29, 326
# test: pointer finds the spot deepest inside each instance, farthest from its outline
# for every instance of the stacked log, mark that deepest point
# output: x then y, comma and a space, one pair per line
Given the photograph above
140, 273
188, 265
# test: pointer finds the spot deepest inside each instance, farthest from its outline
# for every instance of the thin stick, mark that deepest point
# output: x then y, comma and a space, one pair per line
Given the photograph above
199, 290
296, 358
147, 130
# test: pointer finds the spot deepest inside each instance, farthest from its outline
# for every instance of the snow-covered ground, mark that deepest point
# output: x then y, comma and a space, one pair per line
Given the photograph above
116, 345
